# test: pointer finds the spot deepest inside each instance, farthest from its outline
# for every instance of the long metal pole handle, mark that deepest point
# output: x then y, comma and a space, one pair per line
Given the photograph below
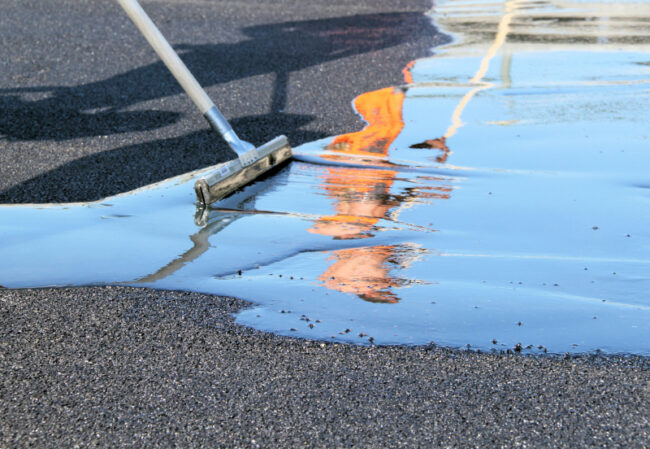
185, 78
167, 54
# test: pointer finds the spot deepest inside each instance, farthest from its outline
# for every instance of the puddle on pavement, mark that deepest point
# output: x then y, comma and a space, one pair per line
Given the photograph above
501, 197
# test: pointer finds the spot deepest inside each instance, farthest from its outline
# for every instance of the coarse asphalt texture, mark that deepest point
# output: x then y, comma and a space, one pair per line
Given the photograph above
87, 111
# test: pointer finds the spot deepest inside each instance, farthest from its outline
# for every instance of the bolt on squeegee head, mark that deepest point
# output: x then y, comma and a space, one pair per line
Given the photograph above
248, 157
232, 175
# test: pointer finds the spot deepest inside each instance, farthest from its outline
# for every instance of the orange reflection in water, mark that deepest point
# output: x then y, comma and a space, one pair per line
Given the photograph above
362, 197
382, 109
365, 272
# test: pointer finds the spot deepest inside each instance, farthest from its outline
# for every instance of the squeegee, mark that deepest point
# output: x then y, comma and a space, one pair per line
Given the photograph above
251, 162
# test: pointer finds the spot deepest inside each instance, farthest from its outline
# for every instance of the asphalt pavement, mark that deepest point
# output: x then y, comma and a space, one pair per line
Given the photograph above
87, 111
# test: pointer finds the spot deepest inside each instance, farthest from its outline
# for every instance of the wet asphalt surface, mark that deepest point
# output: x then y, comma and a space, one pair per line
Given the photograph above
87, 111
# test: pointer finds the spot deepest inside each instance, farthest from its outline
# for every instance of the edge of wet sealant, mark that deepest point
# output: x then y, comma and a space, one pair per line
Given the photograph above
591, 357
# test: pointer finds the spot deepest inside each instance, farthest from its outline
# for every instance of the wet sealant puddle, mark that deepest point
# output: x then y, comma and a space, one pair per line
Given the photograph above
501, 198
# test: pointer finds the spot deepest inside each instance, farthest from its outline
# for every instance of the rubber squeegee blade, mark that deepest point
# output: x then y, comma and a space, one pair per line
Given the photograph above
232, 175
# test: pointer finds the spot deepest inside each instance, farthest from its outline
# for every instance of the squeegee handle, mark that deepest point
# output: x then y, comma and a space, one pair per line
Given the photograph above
215, 118
167, 54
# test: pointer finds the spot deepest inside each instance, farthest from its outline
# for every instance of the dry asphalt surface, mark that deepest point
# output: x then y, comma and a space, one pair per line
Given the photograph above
86, 111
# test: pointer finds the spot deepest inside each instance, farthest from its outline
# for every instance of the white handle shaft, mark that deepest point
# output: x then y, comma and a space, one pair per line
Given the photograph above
167, 54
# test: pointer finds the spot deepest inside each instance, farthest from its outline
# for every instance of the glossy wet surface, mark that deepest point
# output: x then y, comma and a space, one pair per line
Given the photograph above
500, 198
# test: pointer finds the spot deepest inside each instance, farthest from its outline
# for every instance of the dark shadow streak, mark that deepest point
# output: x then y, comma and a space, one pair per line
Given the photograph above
137, 166
97, 108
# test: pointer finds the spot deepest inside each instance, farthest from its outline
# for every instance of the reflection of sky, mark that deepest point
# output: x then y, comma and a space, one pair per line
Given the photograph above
537, 217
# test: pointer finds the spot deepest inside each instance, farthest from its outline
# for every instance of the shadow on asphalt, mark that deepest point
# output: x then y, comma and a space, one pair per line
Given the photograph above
100, 108
97, 108
132, 166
